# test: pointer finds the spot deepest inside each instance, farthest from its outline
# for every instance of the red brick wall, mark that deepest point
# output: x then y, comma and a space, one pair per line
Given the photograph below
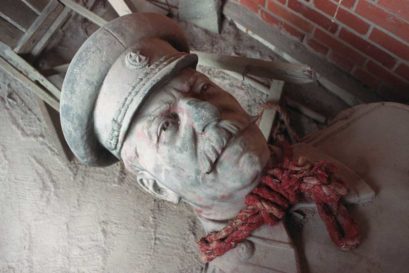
366, 38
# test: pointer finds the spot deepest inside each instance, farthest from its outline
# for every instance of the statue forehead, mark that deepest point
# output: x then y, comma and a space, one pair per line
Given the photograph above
176, 87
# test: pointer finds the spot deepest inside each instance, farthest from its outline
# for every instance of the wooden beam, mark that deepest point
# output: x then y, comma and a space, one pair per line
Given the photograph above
40, 26
42, 43
26, 82
17, 13
36, 5
295, 73
11, 57
9, 34
84, 12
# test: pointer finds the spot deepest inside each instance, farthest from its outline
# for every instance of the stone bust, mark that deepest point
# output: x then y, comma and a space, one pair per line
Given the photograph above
132, 93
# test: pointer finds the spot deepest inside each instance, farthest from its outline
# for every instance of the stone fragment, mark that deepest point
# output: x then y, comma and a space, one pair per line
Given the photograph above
203, 13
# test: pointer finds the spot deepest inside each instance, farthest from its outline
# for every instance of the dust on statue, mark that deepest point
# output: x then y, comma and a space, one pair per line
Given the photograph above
282, 186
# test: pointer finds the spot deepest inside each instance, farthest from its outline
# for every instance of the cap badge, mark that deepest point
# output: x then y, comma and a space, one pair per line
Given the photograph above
135, 60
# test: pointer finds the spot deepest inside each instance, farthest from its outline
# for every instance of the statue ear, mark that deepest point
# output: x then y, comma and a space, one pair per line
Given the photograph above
152, 186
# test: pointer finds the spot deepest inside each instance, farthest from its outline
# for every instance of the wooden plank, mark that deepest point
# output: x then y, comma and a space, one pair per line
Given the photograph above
17, 13
9, 34
39, 27
120, 7
84, 12
36, 5
269, 115
42, 43
295, 73
11, 57
30, 85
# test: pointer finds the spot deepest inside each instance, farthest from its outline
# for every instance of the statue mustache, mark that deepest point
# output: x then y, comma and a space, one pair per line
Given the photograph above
214, 141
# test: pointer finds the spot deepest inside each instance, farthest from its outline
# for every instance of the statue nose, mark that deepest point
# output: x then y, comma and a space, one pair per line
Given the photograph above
197, 112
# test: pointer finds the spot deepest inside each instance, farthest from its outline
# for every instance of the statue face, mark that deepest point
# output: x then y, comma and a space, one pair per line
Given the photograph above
195, 139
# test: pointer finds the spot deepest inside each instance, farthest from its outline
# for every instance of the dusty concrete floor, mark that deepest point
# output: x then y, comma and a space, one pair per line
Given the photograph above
59, 216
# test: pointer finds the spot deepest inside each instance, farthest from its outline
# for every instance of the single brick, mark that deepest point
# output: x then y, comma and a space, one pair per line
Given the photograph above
403, 71
366, 78
281, 25
384, 74
399, 7
313, 15
342, 62
369, 49
289, 16
338, 47
316, 46
384, 19
343, 15
252, 5
388, 42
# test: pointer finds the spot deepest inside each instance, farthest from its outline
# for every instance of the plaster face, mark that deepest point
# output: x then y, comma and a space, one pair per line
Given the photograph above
195, 139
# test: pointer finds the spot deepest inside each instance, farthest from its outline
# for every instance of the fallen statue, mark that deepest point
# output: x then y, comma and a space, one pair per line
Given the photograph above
132, 93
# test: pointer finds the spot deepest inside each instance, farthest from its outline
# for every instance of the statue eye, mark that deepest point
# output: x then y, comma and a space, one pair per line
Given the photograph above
165, 125
171, 120
205, 87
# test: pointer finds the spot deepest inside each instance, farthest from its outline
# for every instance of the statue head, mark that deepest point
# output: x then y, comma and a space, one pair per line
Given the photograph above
134, 95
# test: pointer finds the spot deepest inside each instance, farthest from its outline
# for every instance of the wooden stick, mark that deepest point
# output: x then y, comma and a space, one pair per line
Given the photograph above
39, 27
26, 82
41, 44
84, 12
28, 4
25, 68
269, 115
295, 73
120, 7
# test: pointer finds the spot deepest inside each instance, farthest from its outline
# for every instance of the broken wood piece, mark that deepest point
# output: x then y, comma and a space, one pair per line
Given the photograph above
84, 12
269, 115
294, 73
120, 7
127, 7
25, 68
30, 85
